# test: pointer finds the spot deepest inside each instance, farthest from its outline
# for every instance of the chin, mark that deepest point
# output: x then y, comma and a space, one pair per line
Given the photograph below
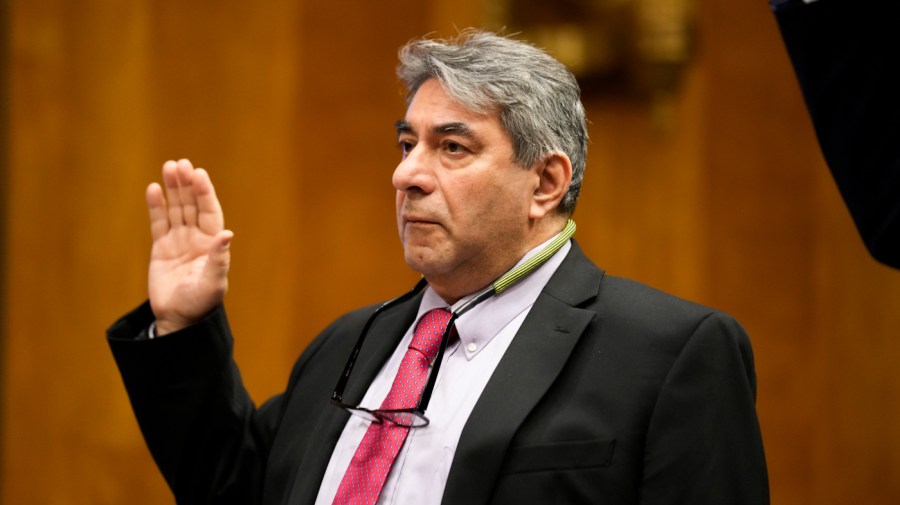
417, 264
423, 260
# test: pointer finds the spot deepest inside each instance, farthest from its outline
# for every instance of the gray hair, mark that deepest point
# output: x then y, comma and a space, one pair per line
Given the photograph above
537, 98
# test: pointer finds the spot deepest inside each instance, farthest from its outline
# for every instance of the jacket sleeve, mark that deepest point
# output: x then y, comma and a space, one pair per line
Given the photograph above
844, 53
204, 432
704, 444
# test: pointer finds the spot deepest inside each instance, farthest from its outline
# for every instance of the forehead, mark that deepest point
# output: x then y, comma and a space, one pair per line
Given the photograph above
432, 106
434, 114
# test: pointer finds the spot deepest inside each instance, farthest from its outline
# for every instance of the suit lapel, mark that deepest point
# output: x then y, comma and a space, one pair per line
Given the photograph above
531, 364
381, 341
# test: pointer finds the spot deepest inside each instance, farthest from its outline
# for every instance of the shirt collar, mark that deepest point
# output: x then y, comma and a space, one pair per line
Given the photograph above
477, 327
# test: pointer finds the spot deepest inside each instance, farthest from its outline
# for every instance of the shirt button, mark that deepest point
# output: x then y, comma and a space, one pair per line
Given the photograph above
472, 347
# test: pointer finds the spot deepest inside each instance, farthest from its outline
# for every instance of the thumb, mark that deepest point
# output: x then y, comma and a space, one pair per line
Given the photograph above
216, 269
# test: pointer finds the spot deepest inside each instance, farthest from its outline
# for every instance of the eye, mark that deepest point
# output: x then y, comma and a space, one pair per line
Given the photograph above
406, 146
454, 147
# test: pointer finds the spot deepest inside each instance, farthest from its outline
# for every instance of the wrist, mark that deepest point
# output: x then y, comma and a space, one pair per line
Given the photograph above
164, 327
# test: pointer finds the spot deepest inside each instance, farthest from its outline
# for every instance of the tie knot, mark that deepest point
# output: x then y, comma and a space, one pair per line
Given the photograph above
429, 330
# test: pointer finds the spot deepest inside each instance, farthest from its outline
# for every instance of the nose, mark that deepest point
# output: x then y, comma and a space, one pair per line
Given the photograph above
413, 172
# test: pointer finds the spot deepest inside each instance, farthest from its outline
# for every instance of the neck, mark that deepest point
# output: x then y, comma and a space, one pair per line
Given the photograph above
463, 284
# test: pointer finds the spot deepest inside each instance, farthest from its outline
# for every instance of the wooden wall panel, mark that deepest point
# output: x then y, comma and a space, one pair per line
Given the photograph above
101, 94
787, 261
290, 105
77, 138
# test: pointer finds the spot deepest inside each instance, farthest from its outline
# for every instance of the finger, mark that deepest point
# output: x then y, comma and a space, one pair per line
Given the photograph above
216, 269
159, 216
173, 195
185, 173
210, 218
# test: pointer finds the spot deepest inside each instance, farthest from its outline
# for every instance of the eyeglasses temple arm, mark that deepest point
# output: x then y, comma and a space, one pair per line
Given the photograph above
338, 394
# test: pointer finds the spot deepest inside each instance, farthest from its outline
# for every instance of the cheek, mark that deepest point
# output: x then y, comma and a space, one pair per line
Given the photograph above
469, 201
399, 199
508, 206
497, 192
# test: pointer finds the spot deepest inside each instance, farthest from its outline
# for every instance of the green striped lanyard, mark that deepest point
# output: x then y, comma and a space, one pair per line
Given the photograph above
502, 284
516, 274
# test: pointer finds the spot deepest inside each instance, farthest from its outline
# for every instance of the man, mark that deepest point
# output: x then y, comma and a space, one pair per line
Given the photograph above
558, 384
844, 54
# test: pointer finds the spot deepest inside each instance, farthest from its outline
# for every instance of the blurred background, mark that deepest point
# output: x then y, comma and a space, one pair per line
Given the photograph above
703, 179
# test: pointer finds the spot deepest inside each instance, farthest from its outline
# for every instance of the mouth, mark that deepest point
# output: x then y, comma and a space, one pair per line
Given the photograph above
412, 225
419, 226
410, 219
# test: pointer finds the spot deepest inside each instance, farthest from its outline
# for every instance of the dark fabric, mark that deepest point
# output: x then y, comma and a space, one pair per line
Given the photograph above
611, 392
784, 4
844, 53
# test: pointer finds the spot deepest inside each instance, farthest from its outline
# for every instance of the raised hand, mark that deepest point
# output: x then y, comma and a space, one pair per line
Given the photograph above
190, 257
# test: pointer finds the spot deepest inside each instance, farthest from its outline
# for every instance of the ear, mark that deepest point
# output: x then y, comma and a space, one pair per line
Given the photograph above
554, 175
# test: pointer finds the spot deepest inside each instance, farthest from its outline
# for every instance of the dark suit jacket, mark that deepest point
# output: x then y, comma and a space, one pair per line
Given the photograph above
611, 393
845, 55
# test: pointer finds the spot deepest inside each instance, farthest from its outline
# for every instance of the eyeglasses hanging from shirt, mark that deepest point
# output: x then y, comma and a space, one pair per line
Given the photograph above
415, 417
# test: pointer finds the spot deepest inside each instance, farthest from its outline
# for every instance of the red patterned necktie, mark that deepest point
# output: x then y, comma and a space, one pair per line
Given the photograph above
372, 461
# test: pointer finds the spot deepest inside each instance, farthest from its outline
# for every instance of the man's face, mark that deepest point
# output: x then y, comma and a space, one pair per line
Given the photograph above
462, 202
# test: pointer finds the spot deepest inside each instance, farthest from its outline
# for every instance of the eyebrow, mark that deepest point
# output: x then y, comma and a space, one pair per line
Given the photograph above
403, 127
456, 127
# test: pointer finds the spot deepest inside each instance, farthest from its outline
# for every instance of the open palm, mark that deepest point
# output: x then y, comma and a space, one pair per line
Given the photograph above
190, 258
